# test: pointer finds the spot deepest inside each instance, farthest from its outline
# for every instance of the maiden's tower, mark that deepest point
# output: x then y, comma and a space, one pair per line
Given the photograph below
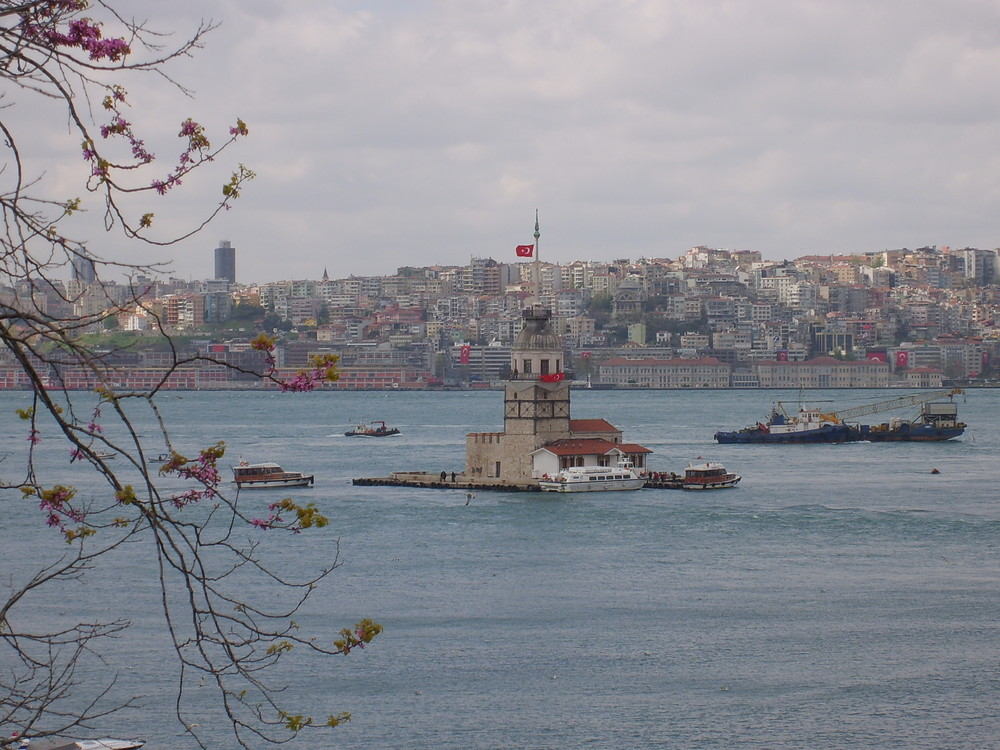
539, 436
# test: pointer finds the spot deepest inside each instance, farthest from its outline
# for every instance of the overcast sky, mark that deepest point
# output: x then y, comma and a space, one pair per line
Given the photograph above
419, 132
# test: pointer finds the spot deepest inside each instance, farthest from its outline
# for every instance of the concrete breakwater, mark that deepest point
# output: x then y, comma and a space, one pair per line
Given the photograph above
431, 481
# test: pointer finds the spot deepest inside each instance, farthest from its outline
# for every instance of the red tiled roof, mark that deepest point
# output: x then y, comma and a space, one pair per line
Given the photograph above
651, 362
827, 361
590, 447
633, 448
591, 425
577, 447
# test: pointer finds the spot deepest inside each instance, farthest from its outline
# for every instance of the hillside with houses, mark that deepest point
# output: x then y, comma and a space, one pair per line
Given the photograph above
711, 318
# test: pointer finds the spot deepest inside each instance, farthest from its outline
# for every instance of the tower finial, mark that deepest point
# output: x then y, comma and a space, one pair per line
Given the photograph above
537, 268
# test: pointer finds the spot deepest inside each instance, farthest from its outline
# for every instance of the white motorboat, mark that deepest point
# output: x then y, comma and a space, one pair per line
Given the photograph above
55, 743
594, 479
266, 475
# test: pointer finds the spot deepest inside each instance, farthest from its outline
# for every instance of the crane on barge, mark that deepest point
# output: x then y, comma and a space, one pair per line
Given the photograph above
916, 399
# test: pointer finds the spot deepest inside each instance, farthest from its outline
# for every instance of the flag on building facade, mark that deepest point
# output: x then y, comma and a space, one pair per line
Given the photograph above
902, 359
553, 377
463, 354
524, 251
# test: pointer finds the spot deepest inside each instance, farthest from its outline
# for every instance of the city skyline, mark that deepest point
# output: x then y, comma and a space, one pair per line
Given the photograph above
642, 128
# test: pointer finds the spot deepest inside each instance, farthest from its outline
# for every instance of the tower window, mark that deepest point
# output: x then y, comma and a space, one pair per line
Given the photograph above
544, 365
527, 367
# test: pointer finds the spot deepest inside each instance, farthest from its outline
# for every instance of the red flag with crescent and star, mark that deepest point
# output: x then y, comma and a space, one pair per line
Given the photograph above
524, 251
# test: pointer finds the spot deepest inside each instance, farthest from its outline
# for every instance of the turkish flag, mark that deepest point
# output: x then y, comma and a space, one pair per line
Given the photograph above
524, 251
902, 359
463, 354
554, 377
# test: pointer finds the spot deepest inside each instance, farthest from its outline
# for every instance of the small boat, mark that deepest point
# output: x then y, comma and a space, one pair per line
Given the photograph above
375, 429
710, 475
594, 479
266, 475
54, 743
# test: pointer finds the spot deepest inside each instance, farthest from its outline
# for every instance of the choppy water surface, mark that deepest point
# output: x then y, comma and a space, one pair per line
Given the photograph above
841, 597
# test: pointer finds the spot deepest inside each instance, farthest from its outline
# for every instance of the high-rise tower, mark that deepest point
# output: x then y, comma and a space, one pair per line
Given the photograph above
225, 261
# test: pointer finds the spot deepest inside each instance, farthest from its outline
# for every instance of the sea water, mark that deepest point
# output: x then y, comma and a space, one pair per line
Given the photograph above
842, 596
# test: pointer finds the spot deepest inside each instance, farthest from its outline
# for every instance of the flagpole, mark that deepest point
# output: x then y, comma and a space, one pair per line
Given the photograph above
537, 269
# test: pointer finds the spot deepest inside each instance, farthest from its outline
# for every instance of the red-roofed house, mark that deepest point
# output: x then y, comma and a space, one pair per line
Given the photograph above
563, 454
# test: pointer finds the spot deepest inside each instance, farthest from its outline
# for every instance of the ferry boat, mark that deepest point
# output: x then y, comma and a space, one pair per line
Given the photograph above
375, 429
266, 475
594, 479
710, 475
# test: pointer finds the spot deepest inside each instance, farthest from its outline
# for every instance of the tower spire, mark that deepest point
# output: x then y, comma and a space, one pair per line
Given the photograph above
537, 270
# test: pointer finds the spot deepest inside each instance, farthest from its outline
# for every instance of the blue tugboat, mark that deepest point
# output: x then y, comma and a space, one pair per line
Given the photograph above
807, 426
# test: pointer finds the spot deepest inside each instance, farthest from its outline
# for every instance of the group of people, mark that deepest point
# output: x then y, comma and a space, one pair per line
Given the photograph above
660, 476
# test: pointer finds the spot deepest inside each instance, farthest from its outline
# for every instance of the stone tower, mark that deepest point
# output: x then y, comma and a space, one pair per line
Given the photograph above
535, 406
536, 396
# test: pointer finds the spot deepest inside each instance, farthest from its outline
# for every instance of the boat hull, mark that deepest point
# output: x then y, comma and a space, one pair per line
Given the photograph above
921, 433
719, 485
263, 484
824, 434
611, 485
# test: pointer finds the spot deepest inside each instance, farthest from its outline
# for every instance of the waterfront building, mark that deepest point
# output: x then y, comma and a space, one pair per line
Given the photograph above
627, 372
823, 372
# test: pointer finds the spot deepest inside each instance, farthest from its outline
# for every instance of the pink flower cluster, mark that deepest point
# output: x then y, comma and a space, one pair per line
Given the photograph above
55, 503
203, 470
85, 35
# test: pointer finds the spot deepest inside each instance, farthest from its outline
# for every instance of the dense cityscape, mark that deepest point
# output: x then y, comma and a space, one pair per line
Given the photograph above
711, 318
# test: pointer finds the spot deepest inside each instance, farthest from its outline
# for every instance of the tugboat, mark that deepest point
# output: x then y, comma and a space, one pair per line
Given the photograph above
808, 426
375, 429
